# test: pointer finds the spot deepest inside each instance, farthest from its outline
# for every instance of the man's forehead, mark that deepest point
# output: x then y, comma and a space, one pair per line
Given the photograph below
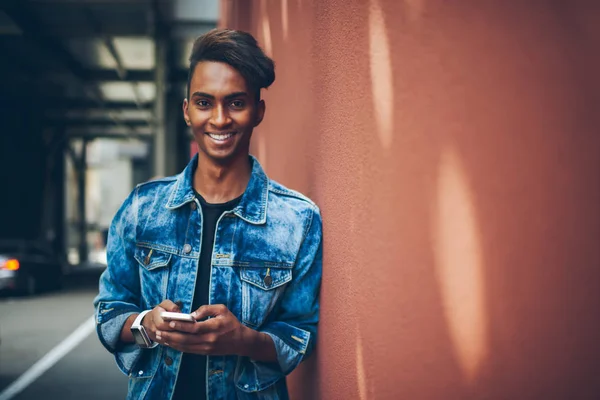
210, 75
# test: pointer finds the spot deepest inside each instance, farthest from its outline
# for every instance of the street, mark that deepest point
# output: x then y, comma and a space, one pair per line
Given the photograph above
31, 328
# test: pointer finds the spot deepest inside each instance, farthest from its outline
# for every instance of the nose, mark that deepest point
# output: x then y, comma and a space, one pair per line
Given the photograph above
220, 118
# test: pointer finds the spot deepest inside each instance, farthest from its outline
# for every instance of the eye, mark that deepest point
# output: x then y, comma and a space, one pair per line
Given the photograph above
237, 104
203, 104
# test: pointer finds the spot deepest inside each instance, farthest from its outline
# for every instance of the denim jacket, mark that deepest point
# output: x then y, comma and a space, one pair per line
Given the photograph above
153, 251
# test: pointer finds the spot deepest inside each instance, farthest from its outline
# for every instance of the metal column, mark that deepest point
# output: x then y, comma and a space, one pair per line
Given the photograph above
82, 223
160, 125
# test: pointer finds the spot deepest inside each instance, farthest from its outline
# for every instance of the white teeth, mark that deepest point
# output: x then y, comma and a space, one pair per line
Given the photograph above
220, 137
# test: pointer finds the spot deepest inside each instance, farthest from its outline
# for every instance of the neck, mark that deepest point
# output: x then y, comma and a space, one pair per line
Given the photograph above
220, 183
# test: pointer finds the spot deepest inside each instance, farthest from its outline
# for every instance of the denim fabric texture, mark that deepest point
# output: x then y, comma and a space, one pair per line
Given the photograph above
266, 268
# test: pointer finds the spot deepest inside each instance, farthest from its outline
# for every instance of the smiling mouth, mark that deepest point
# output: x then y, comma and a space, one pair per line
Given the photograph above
220, 137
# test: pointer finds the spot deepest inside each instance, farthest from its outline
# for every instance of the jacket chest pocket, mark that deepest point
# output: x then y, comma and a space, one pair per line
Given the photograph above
154, 274
261, 289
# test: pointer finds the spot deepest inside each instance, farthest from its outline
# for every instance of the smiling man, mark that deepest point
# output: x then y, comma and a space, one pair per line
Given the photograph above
239, 252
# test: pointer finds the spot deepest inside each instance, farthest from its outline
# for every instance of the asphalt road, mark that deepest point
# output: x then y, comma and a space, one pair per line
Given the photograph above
31, 327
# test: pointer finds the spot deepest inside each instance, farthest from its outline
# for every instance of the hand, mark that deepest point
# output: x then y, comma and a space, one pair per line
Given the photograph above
153, 323
222, 334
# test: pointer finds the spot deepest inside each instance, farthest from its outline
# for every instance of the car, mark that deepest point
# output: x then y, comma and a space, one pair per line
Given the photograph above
29, 267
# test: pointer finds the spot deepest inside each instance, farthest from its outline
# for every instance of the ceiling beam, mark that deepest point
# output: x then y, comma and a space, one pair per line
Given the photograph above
108, 43
95, 122
120, 66
94, 77
73, 104
115, 136
33, 29
107, 75
133, 30
91, 2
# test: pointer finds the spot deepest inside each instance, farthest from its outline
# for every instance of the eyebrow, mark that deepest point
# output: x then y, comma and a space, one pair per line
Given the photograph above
227, 97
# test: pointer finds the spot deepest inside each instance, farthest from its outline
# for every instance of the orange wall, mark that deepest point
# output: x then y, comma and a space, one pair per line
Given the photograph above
454, 150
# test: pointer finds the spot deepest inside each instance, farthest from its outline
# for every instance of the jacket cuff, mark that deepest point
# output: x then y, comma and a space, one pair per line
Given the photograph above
109, 323
291, 344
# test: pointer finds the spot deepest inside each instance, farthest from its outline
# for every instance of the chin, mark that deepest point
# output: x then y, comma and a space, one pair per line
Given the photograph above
221, 157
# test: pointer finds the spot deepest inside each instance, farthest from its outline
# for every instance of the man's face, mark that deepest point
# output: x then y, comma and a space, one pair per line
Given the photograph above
222, 111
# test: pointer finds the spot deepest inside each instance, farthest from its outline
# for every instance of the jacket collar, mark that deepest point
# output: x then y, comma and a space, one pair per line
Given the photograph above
252, 206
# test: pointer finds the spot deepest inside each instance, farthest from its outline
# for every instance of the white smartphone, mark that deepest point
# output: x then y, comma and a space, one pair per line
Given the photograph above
175, 316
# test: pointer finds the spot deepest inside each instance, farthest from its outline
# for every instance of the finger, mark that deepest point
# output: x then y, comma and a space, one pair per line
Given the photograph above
158, 322
211, 310
173, 346
149, 321
211, 325
206, 347
175, 339
170, 306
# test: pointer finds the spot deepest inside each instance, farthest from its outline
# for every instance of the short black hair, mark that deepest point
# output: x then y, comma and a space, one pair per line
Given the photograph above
238, 49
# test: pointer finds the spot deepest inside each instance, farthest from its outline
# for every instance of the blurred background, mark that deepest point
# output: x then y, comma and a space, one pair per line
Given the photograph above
453, 148
90, 106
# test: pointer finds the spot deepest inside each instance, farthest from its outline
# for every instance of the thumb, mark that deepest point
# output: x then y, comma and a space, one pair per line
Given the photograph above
211, 310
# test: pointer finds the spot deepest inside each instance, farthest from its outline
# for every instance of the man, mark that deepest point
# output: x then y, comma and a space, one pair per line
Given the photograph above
240, 252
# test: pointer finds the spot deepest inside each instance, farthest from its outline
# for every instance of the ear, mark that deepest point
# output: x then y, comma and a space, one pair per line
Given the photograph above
186, 116
260, 112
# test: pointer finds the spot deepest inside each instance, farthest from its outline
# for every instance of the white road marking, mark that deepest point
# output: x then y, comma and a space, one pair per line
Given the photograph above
51, 358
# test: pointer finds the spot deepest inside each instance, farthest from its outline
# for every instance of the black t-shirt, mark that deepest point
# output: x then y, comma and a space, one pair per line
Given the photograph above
191, 382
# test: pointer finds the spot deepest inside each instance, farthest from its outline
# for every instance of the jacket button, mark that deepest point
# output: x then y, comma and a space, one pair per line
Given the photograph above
193, 205
168, 361
268, 280
187, 248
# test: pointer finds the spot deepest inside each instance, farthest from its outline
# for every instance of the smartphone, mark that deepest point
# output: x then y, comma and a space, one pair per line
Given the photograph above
175, 316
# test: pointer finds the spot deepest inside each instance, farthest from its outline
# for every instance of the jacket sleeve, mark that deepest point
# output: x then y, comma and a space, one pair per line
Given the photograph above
119, 291
294, 330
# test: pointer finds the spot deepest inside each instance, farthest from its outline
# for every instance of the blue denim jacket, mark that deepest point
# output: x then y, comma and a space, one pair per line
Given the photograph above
153, 250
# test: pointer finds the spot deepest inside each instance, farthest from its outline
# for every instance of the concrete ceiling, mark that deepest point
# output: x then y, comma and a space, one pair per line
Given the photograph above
92, 62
